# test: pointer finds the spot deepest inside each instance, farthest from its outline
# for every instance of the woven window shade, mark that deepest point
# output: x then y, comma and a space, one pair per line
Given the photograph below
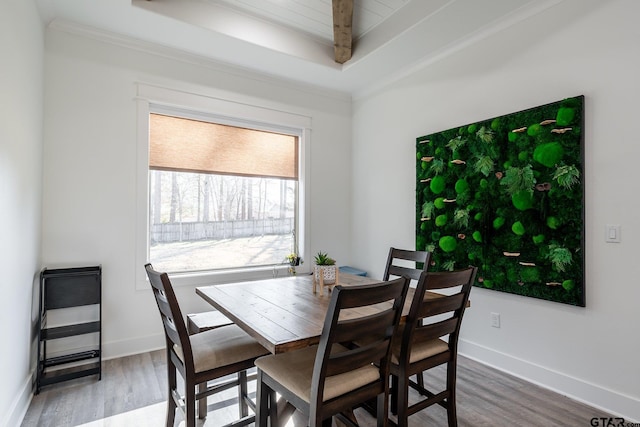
185, 145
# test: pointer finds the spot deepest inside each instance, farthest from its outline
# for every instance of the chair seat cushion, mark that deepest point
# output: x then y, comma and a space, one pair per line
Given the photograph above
419, 350
222, 347
294, 370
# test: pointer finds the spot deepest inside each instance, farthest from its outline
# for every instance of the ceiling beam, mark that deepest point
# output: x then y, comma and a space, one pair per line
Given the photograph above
342, 35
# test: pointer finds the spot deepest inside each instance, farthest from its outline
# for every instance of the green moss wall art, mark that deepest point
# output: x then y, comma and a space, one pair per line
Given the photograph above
507, 195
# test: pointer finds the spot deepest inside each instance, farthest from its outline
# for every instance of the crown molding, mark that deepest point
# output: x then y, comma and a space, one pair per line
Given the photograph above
73, 28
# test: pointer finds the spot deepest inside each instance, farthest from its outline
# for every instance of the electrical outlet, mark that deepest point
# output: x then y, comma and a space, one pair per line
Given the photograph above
495, 320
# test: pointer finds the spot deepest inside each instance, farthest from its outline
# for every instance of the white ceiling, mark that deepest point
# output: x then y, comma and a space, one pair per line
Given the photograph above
293, 39
314, 17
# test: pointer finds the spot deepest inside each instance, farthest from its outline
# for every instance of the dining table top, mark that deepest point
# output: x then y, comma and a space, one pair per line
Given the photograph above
282, 313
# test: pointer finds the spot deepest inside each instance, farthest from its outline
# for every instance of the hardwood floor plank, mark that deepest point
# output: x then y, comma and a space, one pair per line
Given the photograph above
133, 389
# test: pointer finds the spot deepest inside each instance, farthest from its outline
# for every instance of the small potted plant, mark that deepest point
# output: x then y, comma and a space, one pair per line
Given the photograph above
325, 271
293, 260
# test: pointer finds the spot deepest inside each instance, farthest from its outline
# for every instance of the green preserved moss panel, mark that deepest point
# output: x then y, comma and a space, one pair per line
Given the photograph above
548, 154
553, 222
448, 243
437, 184
522, 200
518, 228
538, 239
530, 275
511, 237
534, 129
565, 116
461, 186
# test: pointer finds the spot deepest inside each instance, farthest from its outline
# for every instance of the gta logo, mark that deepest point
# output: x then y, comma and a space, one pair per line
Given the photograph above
607, 422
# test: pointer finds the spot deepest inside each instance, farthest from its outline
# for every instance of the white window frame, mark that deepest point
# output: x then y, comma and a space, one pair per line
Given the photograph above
155, 99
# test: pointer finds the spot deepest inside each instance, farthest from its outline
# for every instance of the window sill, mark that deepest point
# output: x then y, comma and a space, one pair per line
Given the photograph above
204, 278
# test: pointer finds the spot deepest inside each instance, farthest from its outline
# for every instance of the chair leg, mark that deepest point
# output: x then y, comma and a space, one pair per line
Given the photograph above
264, 403
420, 381
382, 405
171, 386
403, 401
202, 403
243, 394
394, 395
452, 415
273, 408
190, 409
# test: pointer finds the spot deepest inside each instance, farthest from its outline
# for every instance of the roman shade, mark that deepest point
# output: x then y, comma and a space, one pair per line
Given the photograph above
186, 145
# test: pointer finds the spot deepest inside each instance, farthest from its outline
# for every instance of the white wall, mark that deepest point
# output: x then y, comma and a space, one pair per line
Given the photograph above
89, 203
589, 353
21, 49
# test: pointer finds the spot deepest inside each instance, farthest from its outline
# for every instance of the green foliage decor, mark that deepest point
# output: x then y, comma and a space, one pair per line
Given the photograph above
507, 195
322, 258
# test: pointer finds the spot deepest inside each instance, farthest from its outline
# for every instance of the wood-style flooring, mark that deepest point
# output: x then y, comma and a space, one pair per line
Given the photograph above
132, 392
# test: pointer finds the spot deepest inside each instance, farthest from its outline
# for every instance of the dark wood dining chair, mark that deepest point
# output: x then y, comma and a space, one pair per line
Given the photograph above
430, 339
398, 264
202, 357
328, 379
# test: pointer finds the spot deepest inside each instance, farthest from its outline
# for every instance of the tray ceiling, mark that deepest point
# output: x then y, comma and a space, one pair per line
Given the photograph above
293, 39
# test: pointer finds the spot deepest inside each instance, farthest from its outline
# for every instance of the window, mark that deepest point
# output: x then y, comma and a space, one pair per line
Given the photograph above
221, 196
222, 187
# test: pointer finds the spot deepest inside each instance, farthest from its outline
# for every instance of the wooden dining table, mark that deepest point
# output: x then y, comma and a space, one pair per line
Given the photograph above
282, 313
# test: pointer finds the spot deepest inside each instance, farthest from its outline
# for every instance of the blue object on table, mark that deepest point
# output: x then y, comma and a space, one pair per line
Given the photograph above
352, 270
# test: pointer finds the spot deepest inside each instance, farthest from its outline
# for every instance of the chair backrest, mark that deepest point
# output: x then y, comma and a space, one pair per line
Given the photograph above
175, 330
398, 257
351, 318
432, 317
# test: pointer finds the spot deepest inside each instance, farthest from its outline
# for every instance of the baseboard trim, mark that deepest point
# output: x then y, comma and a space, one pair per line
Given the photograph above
591, 394
129, 347
21, 403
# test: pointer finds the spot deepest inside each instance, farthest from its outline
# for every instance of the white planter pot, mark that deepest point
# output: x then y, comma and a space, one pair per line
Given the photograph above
328, 273
325, 275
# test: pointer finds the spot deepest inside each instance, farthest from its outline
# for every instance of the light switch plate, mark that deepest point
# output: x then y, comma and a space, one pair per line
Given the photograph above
495, 320
612, 233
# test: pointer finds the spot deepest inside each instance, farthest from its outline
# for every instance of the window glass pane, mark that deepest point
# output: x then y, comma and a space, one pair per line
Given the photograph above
206, 222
